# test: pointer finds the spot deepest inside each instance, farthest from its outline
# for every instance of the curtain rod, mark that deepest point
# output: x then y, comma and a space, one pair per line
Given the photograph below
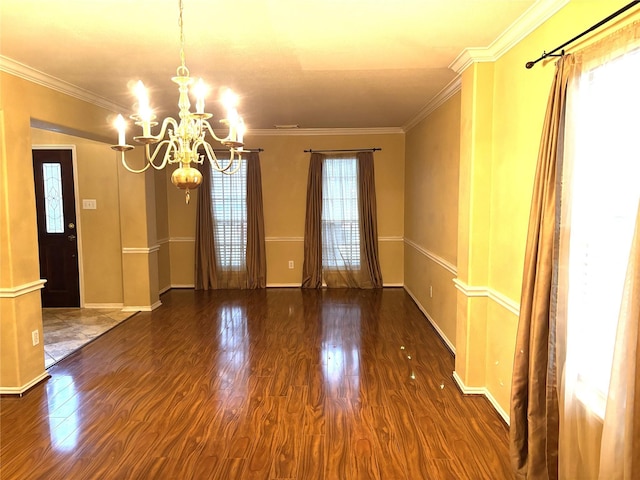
375, 149
597, 25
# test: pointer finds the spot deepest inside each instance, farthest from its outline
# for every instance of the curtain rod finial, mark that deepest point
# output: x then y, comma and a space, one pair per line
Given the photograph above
530, 64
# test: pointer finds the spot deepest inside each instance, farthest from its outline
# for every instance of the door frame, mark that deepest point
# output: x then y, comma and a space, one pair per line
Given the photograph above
76, 189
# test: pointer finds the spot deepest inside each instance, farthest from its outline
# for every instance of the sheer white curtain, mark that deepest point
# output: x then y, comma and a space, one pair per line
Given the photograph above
229, 207
340, 221
600, 193
620, 447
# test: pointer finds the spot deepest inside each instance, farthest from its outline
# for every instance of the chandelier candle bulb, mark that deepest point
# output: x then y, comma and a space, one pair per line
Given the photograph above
200, 91
143, 98
144, 109
120, 126
241, 129
232, 115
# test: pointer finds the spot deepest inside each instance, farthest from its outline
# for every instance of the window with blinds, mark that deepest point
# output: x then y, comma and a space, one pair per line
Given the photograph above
340, 217
606, 190
229, 205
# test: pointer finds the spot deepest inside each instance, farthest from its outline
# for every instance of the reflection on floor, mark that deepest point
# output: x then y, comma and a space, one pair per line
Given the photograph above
68, 329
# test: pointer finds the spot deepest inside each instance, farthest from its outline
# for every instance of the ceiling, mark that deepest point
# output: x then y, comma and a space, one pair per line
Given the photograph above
313, 63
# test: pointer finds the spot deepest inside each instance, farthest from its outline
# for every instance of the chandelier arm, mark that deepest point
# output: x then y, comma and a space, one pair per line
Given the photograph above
166, 123
211, 156
230, 171
133, 170
206, 125
200, 142
218, 166
166, 158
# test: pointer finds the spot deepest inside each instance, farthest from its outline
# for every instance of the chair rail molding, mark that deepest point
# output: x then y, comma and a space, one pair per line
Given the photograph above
482, 291
14, 292
432, 256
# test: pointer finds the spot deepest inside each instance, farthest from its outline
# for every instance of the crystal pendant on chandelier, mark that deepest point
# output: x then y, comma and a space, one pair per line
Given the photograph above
184, 141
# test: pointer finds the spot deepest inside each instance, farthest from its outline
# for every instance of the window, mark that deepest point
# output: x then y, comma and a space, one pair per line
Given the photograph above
54, 212
340, 222
603, 210
229, 205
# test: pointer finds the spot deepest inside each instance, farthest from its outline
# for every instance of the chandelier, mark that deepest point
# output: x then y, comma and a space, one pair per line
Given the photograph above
186, 138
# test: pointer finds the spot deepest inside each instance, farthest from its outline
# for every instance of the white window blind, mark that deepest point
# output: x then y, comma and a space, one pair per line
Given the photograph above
229, 205
340, 218
606, 189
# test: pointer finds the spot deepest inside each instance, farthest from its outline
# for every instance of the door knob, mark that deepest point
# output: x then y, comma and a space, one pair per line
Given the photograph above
71, 238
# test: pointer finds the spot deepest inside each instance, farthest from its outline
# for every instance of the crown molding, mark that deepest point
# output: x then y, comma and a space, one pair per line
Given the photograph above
25, 72
453, 87
526, 23
531, 19
268, 132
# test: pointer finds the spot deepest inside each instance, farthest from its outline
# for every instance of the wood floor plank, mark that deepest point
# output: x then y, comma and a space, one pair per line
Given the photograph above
386, 444
271, 384
312, 457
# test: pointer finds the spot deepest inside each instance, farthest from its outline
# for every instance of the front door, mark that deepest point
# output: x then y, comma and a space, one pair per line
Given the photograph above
57, 234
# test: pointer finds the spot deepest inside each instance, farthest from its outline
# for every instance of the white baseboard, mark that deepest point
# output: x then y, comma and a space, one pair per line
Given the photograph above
165, 289
142, 308
20, 390
103, 305
444, 338
136, 309
482, 391
183, 285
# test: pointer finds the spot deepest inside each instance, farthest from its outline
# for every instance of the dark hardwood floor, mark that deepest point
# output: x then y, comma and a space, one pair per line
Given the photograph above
268, 384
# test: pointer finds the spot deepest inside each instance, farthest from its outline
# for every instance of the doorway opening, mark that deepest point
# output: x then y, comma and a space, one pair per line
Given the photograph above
57, 227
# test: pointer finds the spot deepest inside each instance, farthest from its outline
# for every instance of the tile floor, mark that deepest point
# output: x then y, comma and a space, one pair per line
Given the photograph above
68, 329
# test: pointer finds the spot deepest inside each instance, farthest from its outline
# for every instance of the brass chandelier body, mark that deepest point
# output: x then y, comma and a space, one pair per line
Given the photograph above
186, 137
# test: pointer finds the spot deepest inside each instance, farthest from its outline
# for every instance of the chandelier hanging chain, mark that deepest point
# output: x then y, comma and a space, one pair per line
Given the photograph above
186, 136
181, 26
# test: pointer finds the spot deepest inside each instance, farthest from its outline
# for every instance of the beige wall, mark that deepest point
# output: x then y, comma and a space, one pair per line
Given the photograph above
502, 110
431, 215
162, 231
284, 183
